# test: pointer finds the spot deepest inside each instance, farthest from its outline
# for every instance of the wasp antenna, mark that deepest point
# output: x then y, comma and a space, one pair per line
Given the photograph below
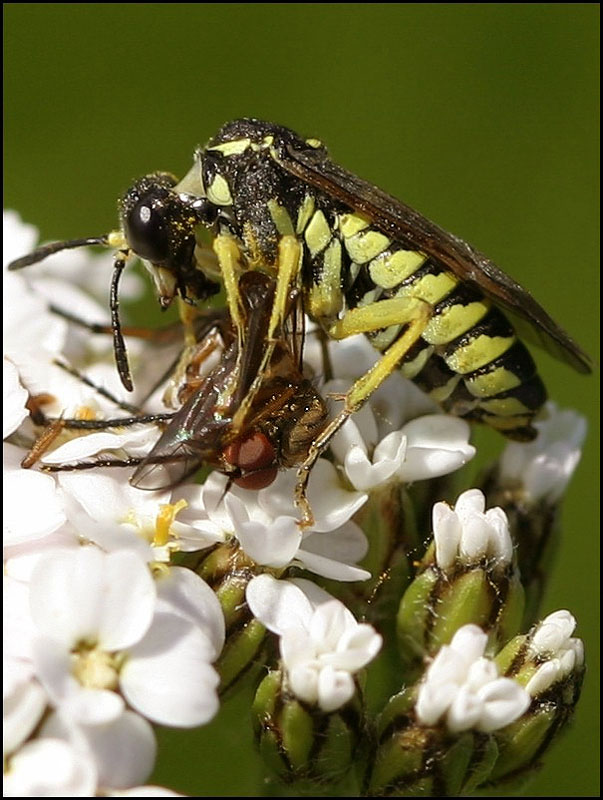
40, 253
119, 346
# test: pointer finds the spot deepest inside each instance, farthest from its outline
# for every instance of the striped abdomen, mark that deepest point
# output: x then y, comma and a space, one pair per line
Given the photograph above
468, 358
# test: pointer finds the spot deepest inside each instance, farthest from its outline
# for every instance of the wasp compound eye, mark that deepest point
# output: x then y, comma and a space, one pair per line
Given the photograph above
147, 230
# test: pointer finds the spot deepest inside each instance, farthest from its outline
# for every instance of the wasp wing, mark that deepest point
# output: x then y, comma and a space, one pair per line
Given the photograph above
416, 232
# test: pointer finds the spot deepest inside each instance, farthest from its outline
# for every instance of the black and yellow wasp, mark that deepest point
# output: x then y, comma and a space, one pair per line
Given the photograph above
361, 262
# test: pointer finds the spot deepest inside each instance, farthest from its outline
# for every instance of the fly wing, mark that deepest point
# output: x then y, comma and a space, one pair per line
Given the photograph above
416, 232
196, 432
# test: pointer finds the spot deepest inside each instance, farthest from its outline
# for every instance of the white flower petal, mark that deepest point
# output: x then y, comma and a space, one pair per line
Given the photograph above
329, 568
274, 546
15, 398
23, 708
124, 750
470, 641
50, 768
335, 688
469, 503
183, 592
446, 534
465, 710
23, 520
437, 444
88, 595
504, 701
347, 544
545, 676
433, 700
303, 681
167, 677
553, 633
279, 605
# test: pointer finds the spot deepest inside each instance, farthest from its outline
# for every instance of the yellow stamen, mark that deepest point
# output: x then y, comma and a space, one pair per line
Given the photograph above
164, 521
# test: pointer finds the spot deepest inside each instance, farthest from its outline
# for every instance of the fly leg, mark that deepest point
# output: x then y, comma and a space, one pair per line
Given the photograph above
410, 312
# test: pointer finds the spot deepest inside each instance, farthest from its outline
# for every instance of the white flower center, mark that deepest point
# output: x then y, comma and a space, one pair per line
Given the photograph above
95, 668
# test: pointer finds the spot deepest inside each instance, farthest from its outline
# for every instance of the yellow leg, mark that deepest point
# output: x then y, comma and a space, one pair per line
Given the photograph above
188, 315
230, 258
409, 311
288, 267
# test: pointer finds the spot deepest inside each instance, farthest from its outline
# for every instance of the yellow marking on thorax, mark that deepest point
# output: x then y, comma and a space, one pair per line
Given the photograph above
481, 351
219, 192
454, 321
365, 245
233, 148
280, 217
390, 269
318, 233
499, 380
325, 298
305, 212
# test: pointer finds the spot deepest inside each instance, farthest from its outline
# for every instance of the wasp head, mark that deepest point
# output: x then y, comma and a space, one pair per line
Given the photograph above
159, 225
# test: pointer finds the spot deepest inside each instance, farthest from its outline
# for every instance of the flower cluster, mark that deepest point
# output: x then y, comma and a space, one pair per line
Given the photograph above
128, 609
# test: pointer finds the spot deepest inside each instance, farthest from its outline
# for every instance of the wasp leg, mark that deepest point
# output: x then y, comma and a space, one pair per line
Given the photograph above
288, 270
230, 260
410, 312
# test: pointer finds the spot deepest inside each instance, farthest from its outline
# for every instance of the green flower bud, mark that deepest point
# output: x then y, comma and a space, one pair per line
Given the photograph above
387, 519
415, 760
535, 529
299, 742
228, 570
549, 663
467, 576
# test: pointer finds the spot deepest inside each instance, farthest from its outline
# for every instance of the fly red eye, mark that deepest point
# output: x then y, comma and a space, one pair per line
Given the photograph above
250, 452
255, 456
257, 480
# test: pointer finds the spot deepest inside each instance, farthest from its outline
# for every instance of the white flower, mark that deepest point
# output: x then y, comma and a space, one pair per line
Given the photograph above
49, 768
122, 750
544, 467
99, 632
266, 523
34, 508
106, 509
322, 646
552, 639
464, 688
15, 398
24, 703
470, 533
425, 447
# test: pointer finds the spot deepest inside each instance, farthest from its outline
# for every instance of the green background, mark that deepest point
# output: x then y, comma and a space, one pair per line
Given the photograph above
484, 117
